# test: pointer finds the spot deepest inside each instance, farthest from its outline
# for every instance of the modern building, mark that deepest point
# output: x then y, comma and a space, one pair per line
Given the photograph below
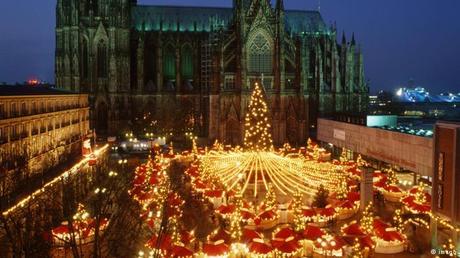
406, 151
381, 104
192, 68
446, 184
40, 128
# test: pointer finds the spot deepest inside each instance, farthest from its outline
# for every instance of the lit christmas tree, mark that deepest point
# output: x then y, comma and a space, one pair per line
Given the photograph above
257, 133
235, 219
398, 221
343, 156
174, 231
420, 196
367, 220
392, 179
309, 144
450, 248
342, 189
235, 226
298, 221
270, 197
356, 251
360, 161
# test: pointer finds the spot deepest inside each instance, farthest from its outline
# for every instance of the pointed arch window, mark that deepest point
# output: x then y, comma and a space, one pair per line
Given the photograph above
260, 55
84, 60
102, 59
187, 62
169, 63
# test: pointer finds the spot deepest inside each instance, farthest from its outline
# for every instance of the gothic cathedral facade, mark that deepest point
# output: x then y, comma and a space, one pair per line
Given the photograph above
176, 69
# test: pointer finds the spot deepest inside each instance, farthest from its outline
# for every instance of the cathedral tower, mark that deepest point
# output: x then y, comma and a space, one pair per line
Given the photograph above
93, 52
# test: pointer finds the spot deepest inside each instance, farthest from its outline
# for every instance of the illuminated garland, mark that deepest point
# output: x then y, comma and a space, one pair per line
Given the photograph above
75, 169
299, 222
286, 173
367, 220
398, 221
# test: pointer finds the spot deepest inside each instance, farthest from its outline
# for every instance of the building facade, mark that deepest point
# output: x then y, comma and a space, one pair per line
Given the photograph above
446, 184
39, 129
407, 152
192, 68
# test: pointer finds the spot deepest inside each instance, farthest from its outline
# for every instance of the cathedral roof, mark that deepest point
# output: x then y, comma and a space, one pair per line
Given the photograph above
168, 18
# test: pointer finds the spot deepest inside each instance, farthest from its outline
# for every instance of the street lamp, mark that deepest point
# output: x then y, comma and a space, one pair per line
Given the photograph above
122, 163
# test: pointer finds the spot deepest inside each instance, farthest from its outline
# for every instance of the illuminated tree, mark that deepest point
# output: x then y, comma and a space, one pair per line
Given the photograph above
299, 223
235, 219
343, 155
309, 144
367, 220
342, 189
257, 134
398, 221
235, 225
316, 153
450, 248
174, 230
270, 197
360, 161
392, 179
420, 196
356, 251
321, 196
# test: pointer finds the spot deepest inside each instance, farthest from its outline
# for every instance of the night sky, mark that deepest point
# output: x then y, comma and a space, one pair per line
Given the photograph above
401, 39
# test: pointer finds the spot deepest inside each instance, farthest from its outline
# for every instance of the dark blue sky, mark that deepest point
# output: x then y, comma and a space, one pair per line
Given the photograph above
401, 39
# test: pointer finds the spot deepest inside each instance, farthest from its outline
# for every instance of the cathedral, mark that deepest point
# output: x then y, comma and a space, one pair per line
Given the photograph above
174, 69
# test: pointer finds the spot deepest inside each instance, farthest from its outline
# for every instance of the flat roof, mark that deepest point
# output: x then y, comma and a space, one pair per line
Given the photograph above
26, 90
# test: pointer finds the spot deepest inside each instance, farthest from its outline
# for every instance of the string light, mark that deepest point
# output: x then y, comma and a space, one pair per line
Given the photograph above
367, 220
286, 173
298, 221
398, 221
75, 169
257, 135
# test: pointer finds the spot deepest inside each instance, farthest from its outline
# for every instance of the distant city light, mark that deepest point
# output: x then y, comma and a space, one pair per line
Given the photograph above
33, 82
419, 94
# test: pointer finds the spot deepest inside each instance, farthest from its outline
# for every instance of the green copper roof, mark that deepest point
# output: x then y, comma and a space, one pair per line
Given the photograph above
173, 18
309, 22
168, 18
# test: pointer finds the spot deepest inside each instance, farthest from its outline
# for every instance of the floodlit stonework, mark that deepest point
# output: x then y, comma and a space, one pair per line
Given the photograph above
191, 68
39, 128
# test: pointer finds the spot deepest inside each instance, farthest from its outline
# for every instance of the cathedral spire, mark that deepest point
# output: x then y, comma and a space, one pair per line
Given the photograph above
353, 42
344, 40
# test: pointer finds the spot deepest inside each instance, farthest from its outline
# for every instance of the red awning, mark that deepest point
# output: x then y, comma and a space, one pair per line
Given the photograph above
312, 232
218, 248
259, 247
